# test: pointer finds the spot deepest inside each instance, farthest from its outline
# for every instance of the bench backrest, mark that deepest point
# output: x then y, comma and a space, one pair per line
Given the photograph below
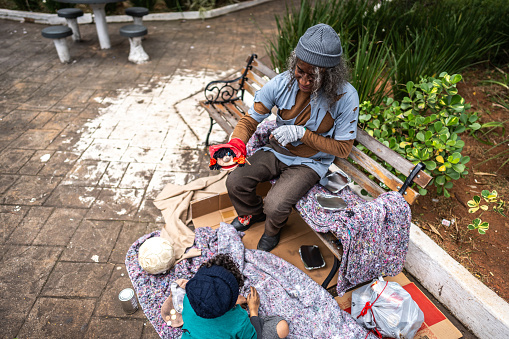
256, 74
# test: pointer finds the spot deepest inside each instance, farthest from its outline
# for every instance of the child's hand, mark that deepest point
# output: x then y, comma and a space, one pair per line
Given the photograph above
253, 302
241, 300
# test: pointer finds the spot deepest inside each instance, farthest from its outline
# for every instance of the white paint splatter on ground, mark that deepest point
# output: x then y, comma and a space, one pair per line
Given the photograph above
141, 137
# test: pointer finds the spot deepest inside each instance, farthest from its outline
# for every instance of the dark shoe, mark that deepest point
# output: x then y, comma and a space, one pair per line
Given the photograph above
267, 243
243, 226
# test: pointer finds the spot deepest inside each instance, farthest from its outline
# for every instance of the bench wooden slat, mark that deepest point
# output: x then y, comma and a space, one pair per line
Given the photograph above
249, 88
394, 159
258, 65
233, 109
227, 115
256, 79
242, 106
382, 174
218, 118
359, 177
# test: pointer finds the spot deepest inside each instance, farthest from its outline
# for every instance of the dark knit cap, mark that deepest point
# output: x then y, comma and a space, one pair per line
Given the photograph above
212, 292
320, 46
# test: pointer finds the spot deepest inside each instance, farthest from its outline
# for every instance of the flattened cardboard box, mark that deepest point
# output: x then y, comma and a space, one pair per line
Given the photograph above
215, 209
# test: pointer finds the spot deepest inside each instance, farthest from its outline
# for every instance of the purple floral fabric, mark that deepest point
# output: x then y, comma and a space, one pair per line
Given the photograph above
284, 289
152, 290
260, 137
374, 234
288, 292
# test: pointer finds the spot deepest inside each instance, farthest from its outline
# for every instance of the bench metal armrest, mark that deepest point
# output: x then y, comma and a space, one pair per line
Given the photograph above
223, 91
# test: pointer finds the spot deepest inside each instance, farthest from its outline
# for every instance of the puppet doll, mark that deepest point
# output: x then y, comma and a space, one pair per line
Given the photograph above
227, 156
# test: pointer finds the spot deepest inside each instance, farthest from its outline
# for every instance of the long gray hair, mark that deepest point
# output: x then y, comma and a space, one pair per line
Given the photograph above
331, 80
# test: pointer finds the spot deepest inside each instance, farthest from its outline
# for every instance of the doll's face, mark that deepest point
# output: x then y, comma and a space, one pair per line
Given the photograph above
226, 161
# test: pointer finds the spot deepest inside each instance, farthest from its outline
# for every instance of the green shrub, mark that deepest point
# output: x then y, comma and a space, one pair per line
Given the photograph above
174, 5
149, 4
425, 127
53, 6
423, 37
28, 5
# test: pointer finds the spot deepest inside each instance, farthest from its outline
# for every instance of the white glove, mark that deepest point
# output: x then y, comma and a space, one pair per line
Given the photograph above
288, 133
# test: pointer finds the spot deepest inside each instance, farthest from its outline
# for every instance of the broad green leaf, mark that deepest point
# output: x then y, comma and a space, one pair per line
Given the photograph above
430, 165
475, 126
455, 78
409, 86
420, 136
458, 168
455, 175
452, 120
440, 180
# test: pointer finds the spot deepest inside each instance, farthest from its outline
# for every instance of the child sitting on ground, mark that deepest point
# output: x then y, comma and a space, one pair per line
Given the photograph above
212, 305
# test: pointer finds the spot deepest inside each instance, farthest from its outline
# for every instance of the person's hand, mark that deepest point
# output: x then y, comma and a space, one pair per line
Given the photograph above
288, 133
241, 299
182, 282
253, 302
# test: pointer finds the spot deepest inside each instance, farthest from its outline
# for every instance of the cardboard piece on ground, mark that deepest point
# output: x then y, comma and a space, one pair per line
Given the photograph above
212, 210
215, 209
435, 326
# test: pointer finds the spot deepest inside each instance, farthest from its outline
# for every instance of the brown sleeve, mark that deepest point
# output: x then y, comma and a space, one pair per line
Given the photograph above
338, 148
247, 126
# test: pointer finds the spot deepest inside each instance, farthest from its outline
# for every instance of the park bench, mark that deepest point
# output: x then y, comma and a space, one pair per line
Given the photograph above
225, 105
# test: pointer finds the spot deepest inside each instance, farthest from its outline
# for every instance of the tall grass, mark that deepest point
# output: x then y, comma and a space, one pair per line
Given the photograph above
402, 39
344, 16
368, 57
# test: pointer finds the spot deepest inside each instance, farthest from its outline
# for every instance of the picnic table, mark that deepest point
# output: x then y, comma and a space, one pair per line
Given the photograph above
99, 18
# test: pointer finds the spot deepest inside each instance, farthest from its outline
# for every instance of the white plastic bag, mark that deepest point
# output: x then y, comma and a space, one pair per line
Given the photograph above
387, 308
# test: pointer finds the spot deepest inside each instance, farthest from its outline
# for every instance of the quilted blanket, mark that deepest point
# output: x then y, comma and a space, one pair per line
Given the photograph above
374, 234
284, 289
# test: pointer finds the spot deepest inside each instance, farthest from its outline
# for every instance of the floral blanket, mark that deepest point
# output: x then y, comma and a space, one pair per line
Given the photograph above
284, 289
374, 234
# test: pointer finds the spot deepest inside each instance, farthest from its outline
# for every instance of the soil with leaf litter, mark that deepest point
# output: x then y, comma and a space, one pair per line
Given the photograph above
486, 256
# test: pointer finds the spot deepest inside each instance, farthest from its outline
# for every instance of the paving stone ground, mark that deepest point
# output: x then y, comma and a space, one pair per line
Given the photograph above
86, 147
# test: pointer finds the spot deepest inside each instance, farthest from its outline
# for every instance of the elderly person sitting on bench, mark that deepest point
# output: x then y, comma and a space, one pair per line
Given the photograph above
317, 121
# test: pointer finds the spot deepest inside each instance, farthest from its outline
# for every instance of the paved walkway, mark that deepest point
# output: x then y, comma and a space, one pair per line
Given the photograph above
84, 150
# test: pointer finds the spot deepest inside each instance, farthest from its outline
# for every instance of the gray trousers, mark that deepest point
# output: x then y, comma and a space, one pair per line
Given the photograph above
293, 183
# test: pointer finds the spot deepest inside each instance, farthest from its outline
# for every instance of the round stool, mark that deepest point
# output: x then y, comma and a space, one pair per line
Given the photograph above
58, 34
137, 13
135, 33
71, 15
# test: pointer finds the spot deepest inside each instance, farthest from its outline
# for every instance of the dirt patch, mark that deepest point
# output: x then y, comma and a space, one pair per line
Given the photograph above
485, 256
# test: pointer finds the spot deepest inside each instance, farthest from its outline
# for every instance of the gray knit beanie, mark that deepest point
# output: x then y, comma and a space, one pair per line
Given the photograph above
320, 46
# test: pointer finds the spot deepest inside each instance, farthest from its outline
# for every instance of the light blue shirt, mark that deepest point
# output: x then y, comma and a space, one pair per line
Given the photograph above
345, 113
